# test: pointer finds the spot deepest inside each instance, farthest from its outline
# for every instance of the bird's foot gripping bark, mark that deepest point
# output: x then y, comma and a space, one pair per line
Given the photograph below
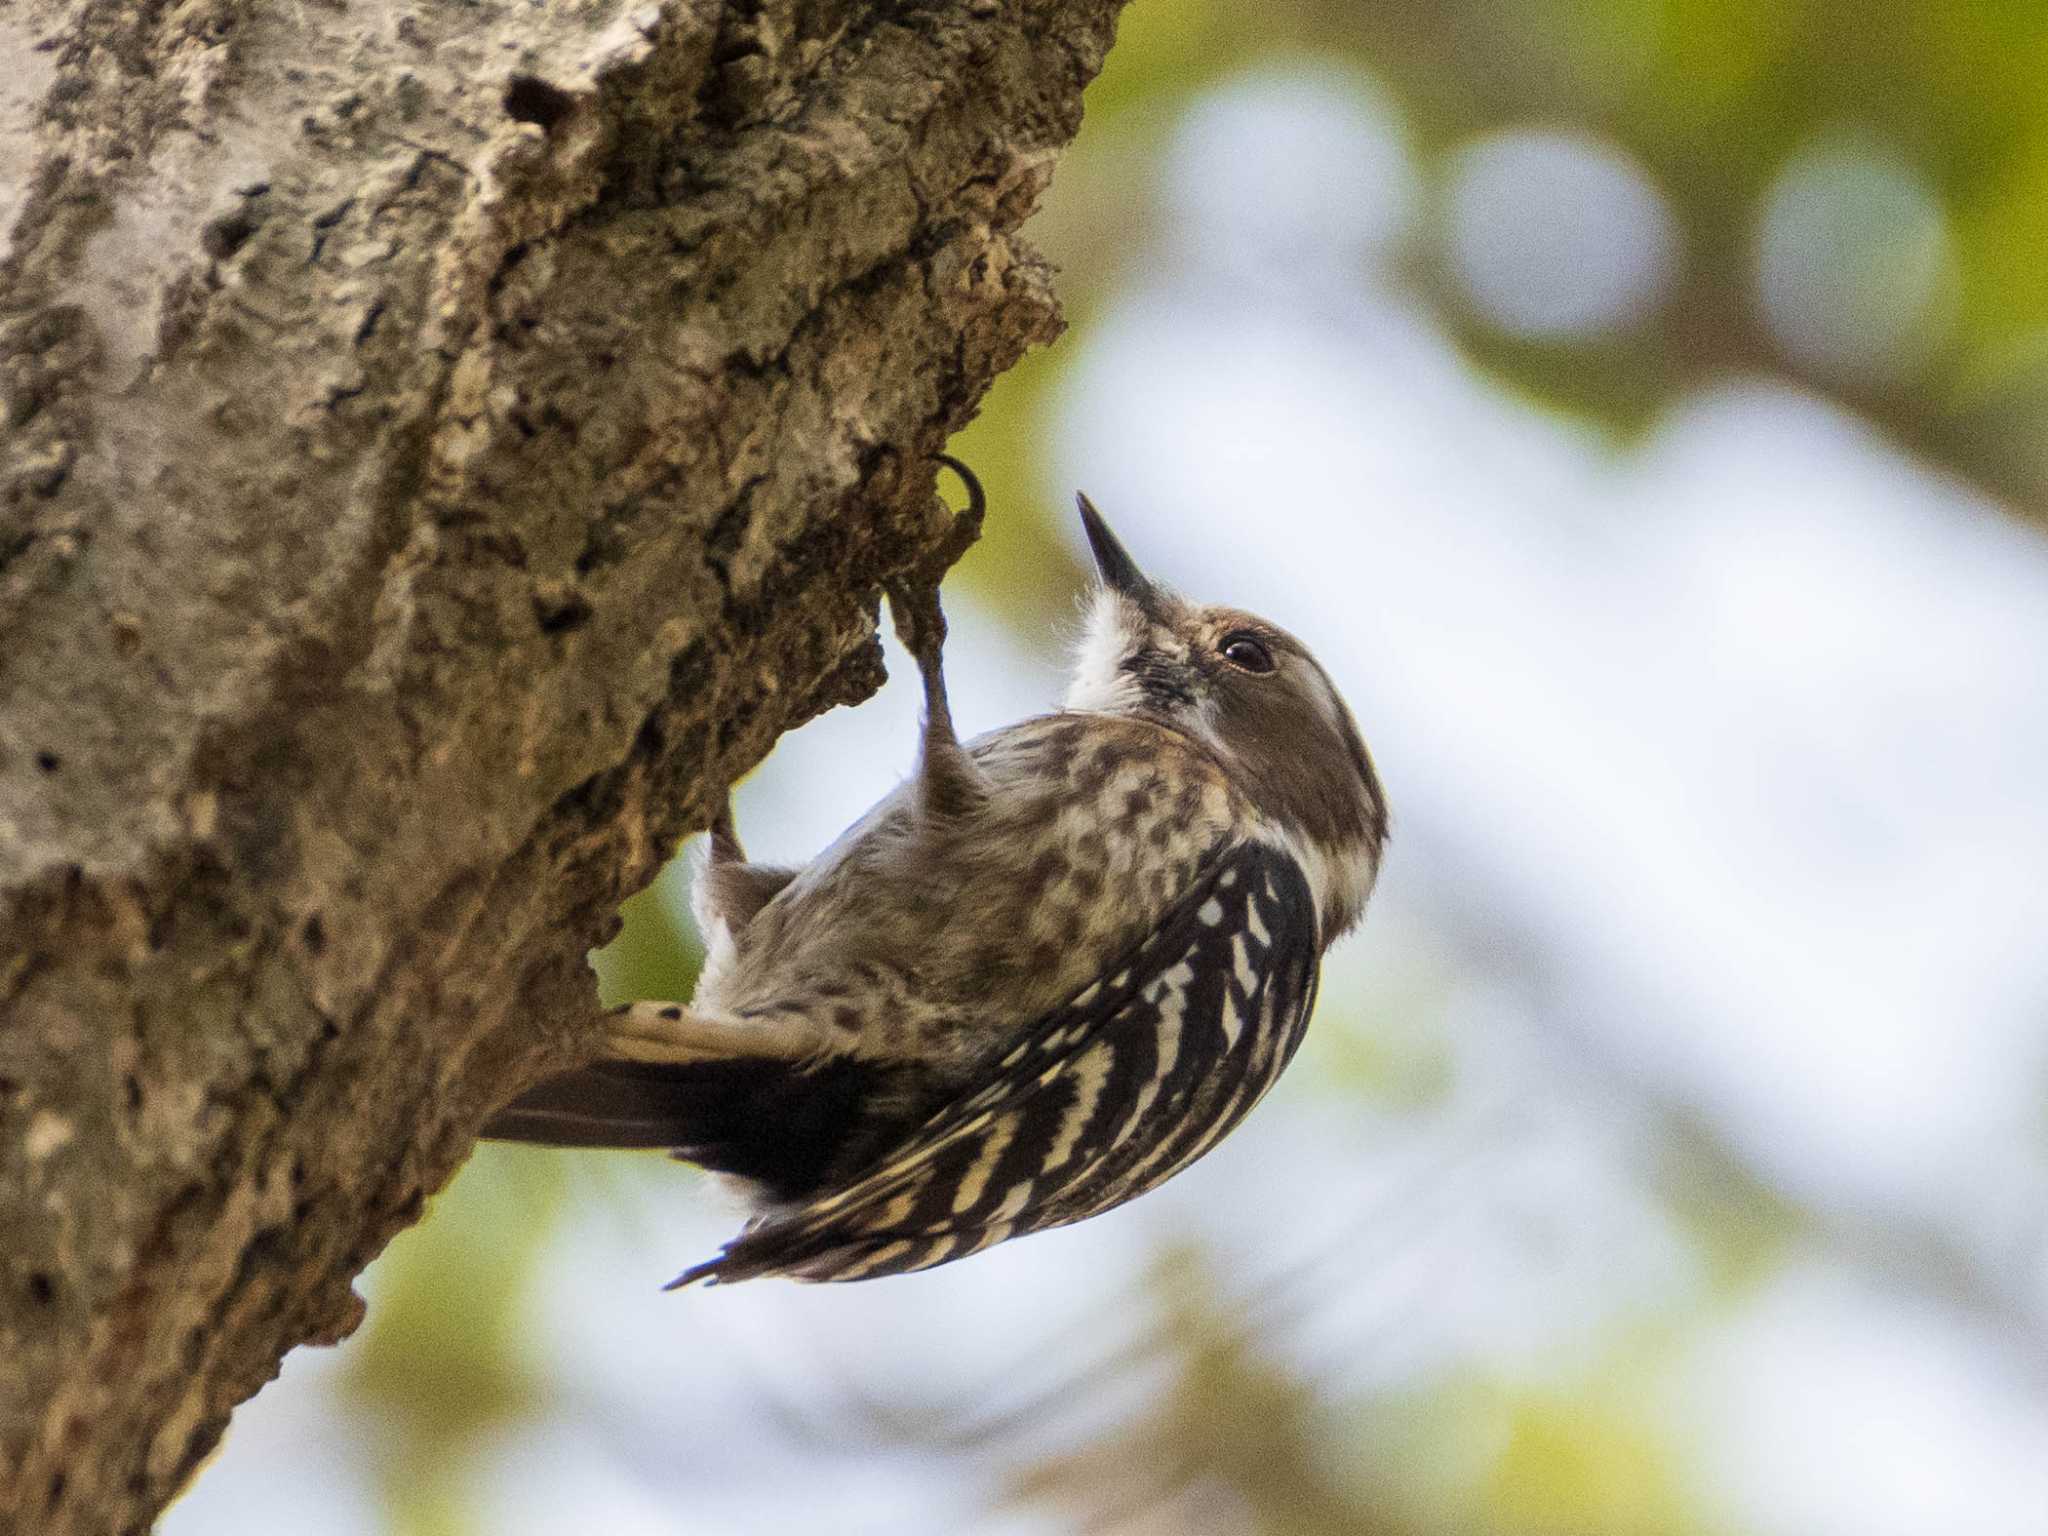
948, 779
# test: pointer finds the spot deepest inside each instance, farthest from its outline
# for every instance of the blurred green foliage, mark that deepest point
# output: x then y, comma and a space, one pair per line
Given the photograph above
441, 1363
656, 953
438, 1365
1713, 98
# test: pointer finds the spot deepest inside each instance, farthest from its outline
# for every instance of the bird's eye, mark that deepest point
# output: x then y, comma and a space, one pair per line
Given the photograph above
1246, 652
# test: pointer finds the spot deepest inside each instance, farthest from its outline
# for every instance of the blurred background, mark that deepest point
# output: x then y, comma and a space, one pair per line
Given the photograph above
1642, 406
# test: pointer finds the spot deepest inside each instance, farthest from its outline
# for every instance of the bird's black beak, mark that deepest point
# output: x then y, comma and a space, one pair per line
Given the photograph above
1113, 562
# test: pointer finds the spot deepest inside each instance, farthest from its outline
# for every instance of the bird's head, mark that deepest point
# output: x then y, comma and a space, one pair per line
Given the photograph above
1256, 697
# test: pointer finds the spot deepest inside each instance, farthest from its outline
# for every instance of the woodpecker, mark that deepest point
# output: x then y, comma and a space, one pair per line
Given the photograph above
1042, 977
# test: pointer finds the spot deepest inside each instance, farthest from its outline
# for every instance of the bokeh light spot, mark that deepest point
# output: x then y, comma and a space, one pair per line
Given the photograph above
1854, 267
1291, 168
1556, 234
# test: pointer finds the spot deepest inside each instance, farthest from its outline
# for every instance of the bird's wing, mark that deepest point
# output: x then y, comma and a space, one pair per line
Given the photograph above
1105, 1098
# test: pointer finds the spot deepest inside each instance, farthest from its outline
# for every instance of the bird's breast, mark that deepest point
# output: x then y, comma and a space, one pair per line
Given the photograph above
950, 930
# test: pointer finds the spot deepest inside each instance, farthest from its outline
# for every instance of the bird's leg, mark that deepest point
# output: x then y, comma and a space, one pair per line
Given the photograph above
729, 890
725, 841
948, 780
921, 626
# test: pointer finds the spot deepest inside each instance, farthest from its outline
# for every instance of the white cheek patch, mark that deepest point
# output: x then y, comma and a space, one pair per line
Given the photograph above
1111, 632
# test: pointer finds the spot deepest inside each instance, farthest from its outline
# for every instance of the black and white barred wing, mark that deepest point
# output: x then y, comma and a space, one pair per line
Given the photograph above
1107, 1097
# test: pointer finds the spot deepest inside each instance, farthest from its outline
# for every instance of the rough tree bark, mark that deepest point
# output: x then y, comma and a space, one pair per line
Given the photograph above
444, 444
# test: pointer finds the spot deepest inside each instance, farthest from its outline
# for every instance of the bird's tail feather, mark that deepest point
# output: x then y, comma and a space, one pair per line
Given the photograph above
606, 1104
760, 1118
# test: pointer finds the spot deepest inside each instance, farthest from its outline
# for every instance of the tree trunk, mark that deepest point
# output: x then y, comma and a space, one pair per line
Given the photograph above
445, 444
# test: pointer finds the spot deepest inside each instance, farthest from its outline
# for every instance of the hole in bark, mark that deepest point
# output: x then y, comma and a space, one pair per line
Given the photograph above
313, 934
227, 234
649, 739
56, 1488
134, 1086
367, 326
42, 1290
562, 612
507, 265
48, 762
726, 532
601, 546
531, 99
